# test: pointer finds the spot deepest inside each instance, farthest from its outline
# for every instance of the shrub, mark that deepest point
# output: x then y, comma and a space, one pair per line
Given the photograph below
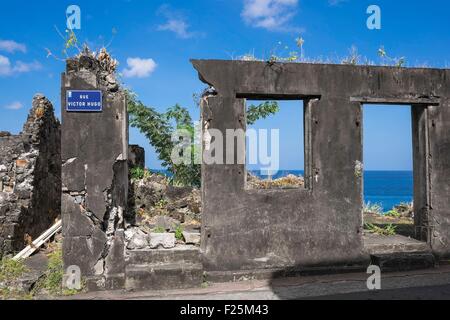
388, 230
159, 128
137, 173
179, 232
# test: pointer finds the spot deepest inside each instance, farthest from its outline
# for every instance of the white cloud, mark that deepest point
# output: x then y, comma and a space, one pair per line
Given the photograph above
178, 26
139, 68
334, 3
16, 105
176, 23
11, 46
22, 67
5, 65
273, 15
7, 69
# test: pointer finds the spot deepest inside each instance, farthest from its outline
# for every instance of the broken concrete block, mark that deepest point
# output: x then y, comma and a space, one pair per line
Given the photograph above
191, 237
167, 223
165, 240
139, 240
115, 261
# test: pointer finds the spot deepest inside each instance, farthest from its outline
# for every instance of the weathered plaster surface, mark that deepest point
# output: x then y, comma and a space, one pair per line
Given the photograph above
95, 175
322, 224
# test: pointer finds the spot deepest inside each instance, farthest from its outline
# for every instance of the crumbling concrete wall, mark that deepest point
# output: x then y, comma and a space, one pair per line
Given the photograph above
136, 156
321, 224
30, 178
95, 174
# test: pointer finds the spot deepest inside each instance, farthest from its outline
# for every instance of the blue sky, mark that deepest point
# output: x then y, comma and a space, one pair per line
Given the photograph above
171, 32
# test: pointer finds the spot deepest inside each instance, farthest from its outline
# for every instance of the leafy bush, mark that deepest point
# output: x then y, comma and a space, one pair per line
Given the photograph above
179, 232
159, 128
137, 173
261, 111
388, 230
55, 272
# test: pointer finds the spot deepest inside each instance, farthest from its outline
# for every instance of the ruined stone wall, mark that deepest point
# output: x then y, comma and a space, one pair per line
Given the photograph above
321, 224
95, 174
136, 156
30, 178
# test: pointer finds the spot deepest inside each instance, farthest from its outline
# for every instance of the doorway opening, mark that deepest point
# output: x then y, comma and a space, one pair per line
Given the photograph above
395, 189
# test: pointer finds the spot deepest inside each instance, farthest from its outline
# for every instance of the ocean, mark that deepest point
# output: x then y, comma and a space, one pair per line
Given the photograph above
386, 188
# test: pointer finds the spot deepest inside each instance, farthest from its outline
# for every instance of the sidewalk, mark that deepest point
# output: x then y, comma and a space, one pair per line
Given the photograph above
338, 286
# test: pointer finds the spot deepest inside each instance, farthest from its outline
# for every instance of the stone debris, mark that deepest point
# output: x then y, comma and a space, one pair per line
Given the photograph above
289, 181
405, 210
165, 240
139, 240
136, 156
158, 207
153, 197
191, 238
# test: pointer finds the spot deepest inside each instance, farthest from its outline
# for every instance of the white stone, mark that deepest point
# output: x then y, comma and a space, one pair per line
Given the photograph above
165, 240
191, 237
98, 268
138, 241
3, 168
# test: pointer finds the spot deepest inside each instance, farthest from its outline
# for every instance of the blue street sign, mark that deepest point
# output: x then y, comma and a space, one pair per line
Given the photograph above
84, 101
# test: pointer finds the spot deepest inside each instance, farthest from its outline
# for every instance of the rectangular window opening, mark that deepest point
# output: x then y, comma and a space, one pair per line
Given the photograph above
275, 144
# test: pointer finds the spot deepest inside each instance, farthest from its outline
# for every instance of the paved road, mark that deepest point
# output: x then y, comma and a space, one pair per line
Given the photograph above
418, 293
425, 284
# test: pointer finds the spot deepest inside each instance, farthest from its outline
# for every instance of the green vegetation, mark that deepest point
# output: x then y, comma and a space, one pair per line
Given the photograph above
137, 173
388, 230
159, 229
10, 294
386, 60
11, 269
162, 203
159, 129
393, 213
373, 208
283, 53
52, 281
261, 111
179, 232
